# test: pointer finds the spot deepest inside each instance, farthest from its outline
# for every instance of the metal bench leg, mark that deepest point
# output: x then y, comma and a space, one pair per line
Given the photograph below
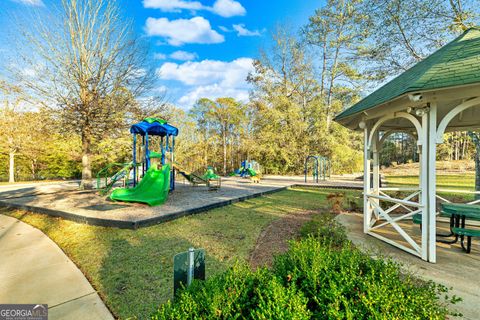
452, 223
469, 244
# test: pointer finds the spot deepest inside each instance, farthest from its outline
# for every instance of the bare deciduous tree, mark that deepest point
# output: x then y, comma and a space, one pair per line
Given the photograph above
89, 66
12, 134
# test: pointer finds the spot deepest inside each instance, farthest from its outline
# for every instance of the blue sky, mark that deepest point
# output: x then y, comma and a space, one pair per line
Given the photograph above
201, 48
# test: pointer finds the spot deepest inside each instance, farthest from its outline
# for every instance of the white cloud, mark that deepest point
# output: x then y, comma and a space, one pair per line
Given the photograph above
160, 89
160, 56
181, 31
207, 71
224, 29
244, 32
228, 8
172, 5
224, 8
183, 55
36, 3
212, 92
177, 55
209, 78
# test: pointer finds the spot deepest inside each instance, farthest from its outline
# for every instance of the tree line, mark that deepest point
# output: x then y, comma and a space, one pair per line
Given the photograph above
70, 116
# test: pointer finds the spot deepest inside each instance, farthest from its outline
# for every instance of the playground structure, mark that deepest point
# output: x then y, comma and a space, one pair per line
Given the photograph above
251, 169
322, 167
157, 176
156, 183
210, 179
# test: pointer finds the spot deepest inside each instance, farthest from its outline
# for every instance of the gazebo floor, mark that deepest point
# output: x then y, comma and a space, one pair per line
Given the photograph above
454, 268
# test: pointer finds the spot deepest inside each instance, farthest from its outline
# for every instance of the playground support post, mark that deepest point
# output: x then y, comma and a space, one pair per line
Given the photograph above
143, 156
162, 150
134, 159
147, 156
172, 160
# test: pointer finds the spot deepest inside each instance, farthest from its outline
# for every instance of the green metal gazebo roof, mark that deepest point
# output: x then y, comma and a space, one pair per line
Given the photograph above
457, 63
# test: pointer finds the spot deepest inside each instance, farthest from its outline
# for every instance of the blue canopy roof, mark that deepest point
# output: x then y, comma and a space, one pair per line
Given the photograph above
155, 128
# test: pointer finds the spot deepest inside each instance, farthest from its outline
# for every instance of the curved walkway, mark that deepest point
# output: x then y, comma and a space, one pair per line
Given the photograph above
34, 270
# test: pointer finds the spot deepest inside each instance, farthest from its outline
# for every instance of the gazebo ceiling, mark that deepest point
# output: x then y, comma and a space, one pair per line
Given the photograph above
448, 78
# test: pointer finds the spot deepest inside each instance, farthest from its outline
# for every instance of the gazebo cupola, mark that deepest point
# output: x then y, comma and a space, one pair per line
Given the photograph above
437, 95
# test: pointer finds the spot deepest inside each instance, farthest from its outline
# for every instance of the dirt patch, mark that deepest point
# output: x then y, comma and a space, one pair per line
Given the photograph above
274, 238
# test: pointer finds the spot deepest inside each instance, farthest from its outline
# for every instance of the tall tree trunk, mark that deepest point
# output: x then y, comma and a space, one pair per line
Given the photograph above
33, 168
231, 153
205, 150
86, 182
11, 169
224, 136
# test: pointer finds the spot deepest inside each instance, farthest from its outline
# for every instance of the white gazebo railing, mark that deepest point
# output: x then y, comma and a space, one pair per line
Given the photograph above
423, 128
377, 218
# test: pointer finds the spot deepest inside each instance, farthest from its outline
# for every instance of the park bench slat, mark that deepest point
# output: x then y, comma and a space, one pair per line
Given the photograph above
417, 218
470, 211
466, 232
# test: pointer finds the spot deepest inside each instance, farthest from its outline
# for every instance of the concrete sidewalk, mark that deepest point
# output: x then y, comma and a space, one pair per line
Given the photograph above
34, 270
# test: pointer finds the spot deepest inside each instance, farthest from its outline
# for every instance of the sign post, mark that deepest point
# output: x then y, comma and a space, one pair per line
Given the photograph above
188, 266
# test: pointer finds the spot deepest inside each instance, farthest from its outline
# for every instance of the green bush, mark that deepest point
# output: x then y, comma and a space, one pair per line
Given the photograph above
321, 276
325, 229
347, 284
238, 293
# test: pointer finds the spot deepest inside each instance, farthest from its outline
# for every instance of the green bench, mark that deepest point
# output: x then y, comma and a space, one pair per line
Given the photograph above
457, 213
417, 218
461, 213
469, 233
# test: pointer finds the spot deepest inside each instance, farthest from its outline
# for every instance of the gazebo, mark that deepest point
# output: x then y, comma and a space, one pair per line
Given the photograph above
437, 95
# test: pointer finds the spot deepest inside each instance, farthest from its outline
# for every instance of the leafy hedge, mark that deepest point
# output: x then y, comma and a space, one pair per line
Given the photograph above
321, 276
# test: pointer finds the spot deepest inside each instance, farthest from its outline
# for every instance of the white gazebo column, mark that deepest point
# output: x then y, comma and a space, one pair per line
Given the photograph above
427, 183
376, 168
367, 212
423, 197
432, 206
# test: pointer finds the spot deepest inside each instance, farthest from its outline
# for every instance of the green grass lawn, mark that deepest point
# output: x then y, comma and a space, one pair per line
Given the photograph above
446, 181
451, 181
132, 269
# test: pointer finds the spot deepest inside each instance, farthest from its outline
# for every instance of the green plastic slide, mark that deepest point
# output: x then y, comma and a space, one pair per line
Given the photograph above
153, 189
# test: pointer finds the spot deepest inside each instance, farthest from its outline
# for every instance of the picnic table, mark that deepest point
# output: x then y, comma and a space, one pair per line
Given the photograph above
459, 213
